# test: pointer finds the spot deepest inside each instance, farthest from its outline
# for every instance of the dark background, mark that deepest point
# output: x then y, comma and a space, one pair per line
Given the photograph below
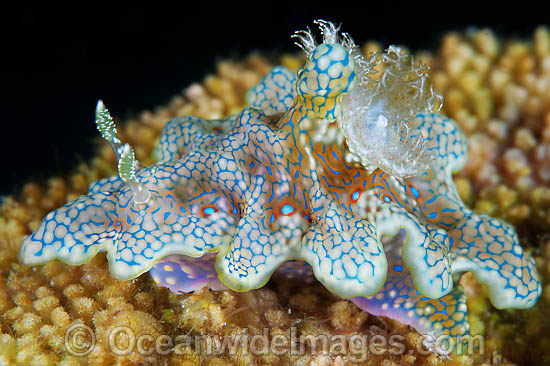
60, 60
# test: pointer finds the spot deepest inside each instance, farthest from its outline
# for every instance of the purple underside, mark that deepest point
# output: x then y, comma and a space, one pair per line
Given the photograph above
398, 299
180, 273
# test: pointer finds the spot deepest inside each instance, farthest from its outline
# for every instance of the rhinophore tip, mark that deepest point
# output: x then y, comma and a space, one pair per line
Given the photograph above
106, 126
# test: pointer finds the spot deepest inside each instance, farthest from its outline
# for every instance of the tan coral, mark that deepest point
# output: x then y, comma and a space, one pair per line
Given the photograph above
500, 94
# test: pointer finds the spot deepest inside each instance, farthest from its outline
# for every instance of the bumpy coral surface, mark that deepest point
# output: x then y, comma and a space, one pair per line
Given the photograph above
38, 304
499, 94
260, 188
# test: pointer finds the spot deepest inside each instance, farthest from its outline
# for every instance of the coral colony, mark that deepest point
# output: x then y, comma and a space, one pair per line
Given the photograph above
337, 174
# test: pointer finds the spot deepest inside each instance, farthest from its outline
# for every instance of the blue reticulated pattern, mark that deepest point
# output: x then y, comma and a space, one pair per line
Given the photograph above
275, 189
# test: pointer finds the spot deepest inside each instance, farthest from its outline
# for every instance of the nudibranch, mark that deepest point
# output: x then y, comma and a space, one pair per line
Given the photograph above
336, 174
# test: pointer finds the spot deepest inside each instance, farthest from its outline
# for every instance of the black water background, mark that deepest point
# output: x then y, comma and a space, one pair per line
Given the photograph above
58, 60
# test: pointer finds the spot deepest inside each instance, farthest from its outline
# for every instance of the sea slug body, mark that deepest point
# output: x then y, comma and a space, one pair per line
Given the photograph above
370, 209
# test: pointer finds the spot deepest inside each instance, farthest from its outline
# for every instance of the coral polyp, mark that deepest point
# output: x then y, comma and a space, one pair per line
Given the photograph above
370, 210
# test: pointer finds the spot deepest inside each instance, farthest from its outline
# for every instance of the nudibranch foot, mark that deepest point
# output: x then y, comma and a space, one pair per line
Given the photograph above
183, 274
397, 299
